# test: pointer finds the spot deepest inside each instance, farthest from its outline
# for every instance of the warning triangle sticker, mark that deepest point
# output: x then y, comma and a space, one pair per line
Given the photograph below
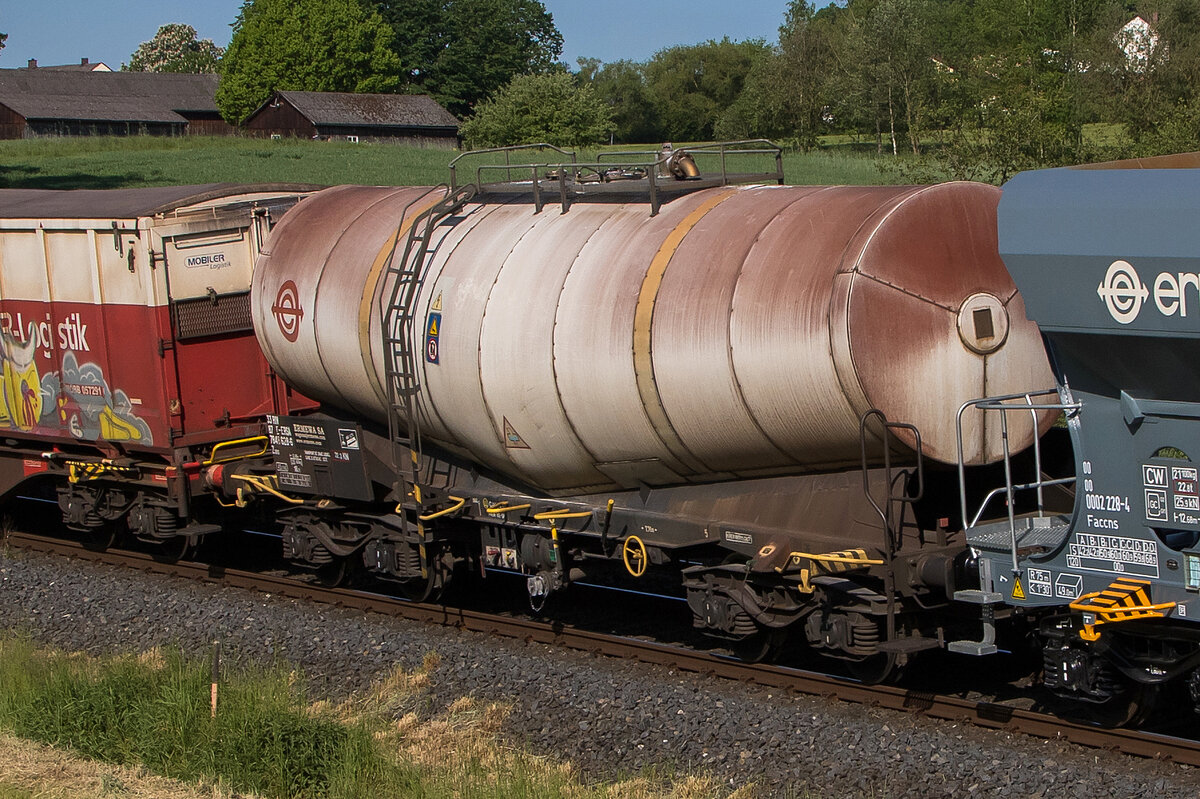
433, 329
1018, 591
437, 304
512, 439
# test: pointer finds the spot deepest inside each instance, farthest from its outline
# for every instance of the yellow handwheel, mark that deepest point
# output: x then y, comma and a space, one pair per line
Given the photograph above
633, 552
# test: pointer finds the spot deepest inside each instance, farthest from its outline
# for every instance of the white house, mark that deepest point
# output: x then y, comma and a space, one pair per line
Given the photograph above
1138, 40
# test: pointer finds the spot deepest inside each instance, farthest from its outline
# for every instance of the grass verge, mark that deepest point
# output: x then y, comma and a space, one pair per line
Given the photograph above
151, 713
36, 771
154, 712
130, 162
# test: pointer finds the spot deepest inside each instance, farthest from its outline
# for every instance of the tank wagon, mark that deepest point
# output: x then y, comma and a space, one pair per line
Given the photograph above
712, 380
1107, 258
127, 354
664, 373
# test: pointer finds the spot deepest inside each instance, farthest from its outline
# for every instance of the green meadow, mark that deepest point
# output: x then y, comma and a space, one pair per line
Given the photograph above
118, 162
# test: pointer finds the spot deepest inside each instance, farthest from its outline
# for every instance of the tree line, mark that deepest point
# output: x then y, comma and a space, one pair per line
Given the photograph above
986, 86
458, 51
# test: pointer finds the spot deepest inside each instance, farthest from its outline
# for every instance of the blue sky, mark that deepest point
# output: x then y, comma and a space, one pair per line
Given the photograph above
63, 31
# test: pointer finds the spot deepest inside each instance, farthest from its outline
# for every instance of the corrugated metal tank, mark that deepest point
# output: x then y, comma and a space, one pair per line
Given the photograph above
741, 331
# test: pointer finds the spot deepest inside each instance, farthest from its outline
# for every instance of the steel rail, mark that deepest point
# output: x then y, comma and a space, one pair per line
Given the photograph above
978, 713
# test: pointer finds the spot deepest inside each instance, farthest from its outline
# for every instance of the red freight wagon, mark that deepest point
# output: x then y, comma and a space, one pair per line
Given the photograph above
126, 346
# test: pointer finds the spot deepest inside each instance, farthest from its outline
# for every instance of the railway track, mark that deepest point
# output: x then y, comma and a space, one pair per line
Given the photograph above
983, 714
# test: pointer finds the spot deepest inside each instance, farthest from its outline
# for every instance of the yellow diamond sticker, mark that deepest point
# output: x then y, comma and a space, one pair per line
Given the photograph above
1018, 591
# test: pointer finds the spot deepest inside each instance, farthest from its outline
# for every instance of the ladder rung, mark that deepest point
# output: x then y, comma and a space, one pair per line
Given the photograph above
399, 320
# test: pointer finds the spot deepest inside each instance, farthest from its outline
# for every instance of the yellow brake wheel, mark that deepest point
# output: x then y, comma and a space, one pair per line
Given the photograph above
633, 552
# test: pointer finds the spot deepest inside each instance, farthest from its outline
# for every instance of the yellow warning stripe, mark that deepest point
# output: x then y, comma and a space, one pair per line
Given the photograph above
643, 364
1125, 599
827, 563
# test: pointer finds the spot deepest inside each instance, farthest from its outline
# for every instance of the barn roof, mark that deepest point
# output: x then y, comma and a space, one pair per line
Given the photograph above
106, 109
385, 110
120, 96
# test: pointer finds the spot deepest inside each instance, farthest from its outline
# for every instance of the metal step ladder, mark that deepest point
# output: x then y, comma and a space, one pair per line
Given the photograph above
405, 276
891, 508
1013, 532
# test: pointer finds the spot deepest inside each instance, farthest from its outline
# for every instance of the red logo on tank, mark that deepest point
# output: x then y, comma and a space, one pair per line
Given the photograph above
287, 310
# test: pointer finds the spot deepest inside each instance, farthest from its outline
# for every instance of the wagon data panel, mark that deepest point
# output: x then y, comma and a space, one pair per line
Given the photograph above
319, 457
1172, 494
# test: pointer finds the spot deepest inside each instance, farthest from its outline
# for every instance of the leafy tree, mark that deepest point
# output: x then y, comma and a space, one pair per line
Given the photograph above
1008, 138
304, 45
857, 94
898, 65
175, 48
550, 107
1024, 104
3, 39
693, 85
785, 91
462, 51
419, 33
589, 68
622, 85
1157, 100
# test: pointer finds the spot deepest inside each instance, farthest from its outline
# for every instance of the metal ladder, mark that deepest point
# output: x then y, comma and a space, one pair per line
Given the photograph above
400, 354
891, 509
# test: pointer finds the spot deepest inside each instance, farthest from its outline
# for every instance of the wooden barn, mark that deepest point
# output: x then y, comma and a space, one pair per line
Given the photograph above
413, 119
51, 102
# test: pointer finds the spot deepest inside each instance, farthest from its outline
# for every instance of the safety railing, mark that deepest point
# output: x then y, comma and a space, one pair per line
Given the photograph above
507, 152
655, 172
721, 151
1006, 404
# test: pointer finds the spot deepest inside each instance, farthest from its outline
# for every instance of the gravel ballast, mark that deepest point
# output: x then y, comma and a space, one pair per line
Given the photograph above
608, 717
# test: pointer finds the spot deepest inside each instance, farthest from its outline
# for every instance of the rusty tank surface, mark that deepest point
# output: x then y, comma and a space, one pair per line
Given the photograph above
740, 332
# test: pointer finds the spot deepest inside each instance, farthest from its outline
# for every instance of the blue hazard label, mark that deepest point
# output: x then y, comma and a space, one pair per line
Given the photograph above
433, 328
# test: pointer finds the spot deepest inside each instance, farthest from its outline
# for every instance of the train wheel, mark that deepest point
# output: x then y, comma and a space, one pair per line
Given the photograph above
1129, 709
429, 588
100, 538
764, 646
338, 572
173, 549
876, 669
420, 589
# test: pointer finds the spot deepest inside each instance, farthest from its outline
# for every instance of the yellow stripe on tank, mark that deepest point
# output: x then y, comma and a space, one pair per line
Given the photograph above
643, 363
364, 308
